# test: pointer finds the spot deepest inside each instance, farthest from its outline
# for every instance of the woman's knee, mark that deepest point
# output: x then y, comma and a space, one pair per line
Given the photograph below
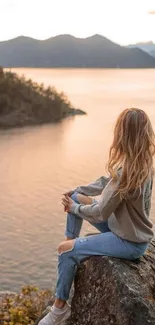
74, 197
66, 246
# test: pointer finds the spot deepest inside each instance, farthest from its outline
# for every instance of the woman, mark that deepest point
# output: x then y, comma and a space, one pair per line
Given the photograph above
122, 213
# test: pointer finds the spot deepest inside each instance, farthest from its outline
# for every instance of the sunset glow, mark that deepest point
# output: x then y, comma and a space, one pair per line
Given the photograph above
121, 21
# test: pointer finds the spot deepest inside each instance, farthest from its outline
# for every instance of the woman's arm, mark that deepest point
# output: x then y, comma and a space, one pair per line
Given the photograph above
101, 210
95, 188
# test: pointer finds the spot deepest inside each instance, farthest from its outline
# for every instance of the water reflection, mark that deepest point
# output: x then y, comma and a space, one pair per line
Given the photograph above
38, 164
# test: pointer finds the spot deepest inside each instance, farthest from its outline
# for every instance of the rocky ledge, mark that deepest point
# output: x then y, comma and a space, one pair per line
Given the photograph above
108, 291
112, 291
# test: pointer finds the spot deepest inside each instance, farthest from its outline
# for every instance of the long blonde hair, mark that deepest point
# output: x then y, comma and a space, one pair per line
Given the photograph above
132, 150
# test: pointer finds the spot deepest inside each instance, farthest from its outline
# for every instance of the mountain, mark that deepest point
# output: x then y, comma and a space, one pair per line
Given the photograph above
148, 47
152, 53
67, 51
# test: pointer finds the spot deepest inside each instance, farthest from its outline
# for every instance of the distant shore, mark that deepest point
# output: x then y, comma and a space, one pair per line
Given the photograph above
61, 51
24, 102
77, 68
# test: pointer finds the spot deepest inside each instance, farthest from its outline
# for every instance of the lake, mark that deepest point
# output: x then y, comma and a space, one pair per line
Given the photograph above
39, 163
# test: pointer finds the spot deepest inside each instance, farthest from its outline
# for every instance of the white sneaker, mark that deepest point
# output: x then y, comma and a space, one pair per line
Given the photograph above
56, 319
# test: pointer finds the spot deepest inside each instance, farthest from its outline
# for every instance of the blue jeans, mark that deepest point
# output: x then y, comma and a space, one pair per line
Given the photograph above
105, 243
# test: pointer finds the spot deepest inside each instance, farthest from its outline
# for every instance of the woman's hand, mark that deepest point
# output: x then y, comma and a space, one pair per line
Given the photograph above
67, 202
69, 193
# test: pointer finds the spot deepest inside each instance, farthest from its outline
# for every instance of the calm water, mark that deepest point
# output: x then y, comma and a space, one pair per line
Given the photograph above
38, 164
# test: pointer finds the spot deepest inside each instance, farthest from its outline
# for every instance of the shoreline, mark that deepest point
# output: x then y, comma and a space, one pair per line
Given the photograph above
25, 102
74, 112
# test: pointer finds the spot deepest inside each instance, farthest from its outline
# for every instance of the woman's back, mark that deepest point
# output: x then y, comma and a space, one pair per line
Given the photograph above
131, 219
126, 197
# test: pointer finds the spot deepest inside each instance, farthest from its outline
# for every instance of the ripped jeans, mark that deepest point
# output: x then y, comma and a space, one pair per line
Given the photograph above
105, 243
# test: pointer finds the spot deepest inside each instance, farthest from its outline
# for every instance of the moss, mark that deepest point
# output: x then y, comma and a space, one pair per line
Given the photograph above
25, 307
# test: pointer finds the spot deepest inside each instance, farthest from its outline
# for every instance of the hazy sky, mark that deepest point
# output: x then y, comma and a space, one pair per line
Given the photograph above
123, 21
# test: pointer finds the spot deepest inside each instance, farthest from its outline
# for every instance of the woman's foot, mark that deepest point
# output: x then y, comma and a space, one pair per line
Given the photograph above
56, 316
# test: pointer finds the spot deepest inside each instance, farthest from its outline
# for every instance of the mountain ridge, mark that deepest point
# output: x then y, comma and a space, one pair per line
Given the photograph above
66, 50
148, 47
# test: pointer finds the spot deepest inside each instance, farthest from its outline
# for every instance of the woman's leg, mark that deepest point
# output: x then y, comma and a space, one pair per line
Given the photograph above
102, 226
74, 223
73, 252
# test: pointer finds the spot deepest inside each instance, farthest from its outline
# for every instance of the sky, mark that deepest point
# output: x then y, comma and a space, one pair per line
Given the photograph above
122, 21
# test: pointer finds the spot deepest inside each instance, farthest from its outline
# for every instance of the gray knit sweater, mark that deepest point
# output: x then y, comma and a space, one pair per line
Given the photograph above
128, 219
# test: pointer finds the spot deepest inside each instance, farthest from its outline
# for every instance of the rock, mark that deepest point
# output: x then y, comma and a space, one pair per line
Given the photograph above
113, 291
76, 111
79, 112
